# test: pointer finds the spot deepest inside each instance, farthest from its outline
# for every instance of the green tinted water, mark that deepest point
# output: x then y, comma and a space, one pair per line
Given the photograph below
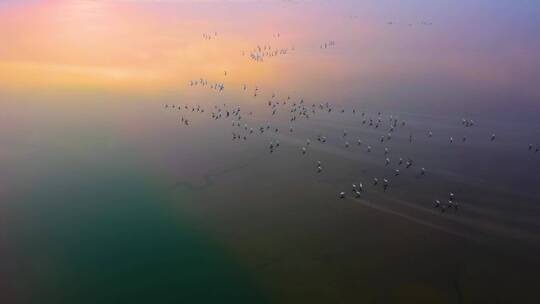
87, 226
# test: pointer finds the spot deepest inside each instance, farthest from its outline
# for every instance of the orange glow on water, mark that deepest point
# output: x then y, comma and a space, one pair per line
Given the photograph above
145, 45
88, 44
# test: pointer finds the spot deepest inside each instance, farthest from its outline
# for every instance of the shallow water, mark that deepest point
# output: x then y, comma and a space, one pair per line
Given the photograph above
106, 197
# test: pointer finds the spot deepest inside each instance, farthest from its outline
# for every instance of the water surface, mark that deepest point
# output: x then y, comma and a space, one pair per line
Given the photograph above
107, 197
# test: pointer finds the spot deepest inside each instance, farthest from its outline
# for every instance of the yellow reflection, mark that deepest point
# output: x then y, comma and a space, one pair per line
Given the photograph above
95, 44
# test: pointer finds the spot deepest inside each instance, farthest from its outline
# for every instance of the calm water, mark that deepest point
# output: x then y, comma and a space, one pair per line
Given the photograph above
106, 197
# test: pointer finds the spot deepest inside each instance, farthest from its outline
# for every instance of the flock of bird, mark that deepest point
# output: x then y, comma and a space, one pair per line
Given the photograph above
259, 53
299, 109
210, 36
327, 44
216, 86
424, 23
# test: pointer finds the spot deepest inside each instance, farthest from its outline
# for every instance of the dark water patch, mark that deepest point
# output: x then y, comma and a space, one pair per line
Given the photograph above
108, 236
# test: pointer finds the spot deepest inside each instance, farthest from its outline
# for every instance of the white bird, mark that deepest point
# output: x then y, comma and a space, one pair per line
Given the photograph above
385, 184
303, 150
408, 164
342, 195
